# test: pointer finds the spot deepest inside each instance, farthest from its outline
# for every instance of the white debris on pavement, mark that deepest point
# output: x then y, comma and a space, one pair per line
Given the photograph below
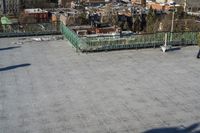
38, 39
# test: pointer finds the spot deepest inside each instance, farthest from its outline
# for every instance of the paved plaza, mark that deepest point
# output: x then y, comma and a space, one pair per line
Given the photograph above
46, 87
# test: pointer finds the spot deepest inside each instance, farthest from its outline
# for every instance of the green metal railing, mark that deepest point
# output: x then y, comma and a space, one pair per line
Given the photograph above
33, 29
92, 44
71, 36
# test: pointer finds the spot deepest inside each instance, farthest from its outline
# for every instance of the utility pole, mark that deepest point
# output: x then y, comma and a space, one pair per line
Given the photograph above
4, 7
166, 47
185, 5
172, 25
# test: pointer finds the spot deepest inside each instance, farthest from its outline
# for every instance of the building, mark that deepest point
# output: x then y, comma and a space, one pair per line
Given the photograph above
70, 18
39, 14
1, 7
159, 6
37, 4
140, 2
95, 1
33, 3
189, 5
64, 3
10, 7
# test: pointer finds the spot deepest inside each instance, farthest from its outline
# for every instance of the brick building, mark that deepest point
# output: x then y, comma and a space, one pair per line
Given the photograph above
39, 14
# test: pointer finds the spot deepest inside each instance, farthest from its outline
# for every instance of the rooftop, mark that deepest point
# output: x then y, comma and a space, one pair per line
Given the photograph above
35, 10
46, 87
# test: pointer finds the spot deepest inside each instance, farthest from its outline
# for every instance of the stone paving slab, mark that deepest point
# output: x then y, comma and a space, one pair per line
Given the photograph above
62, 91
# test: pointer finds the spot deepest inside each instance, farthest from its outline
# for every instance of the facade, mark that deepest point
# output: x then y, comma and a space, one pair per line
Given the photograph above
159, 6
39, 14
1, 7
64, 3
67, 3
192, 5
189, 5
162, 1
140, 2
37, 4
10, 7
94, 1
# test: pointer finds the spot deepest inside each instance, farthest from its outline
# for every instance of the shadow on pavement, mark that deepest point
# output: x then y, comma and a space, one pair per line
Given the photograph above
198, 55
14, 67
174, 49
9, 48
190, 129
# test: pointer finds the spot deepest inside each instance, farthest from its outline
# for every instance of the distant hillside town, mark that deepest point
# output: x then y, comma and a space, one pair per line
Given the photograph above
14, 7
103, 16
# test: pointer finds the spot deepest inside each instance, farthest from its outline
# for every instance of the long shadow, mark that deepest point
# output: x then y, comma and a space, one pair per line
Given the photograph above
14, 67
9, 48
175, 49
190, 129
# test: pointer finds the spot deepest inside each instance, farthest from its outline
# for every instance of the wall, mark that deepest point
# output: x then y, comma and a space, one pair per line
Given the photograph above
1, 7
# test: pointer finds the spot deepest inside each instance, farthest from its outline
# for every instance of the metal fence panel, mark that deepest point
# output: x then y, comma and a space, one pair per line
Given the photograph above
35, 29
102, 43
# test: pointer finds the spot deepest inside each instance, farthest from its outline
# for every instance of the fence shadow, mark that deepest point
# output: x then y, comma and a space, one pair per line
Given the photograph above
174, 49
14, 67
190, 129
9, 48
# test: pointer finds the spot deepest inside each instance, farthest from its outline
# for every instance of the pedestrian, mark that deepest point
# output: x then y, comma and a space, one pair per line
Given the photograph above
198, 55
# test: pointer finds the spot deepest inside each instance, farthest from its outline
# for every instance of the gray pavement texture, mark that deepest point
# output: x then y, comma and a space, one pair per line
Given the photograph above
46, 87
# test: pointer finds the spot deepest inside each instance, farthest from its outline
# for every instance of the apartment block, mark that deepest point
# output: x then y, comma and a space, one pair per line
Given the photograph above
10, 7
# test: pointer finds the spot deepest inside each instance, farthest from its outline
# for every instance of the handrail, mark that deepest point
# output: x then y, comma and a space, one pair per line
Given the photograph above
91, 44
